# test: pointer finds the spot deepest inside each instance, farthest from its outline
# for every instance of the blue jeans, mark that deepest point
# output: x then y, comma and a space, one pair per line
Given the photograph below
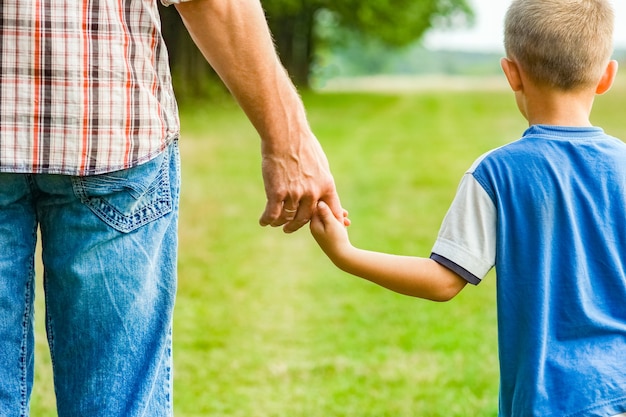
109, 247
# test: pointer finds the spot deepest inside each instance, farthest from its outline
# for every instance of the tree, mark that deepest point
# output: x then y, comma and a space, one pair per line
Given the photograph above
296, 25
301, 27
192, 76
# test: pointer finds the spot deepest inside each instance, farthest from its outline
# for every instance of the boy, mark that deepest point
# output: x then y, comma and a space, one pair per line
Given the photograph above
548, 211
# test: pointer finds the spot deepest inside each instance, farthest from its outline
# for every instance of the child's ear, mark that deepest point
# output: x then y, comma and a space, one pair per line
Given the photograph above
607, 78
512, 73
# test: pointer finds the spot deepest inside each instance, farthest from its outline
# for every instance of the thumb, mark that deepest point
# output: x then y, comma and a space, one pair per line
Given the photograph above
324, 212
334, 205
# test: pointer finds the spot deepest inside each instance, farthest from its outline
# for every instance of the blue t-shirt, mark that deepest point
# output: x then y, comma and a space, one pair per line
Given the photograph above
549, 211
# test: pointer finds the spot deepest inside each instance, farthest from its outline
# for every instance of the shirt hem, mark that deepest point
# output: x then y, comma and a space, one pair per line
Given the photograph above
86, 173
457, 269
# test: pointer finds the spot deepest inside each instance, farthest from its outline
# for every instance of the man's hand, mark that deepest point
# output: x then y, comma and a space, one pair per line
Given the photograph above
294, 184
234, 37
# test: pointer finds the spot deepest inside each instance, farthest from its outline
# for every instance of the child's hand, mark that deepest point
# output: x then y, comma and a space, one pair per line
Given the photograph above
330, 233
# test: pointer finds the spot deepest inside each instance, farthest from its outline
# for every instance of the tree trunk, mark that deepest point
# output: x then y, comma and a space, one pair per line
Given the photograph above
192, 76
294, 38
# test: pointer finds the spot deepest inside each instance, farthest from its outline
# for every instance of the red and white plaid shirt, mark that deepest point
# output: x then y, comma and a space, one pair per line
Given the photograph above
85, 86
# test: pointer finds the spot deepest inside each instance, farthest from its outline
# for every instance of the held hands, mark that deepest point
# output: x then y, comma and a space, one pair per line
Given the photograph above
235, 39
295, 181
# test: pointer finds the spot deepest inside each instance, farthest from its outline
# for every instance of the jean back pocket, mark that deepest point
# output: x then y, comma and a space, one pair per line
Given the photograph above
130, 198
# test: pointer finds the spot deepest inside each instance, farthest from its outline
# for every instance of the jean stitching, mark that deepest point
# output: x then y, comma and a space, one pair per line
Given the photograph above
126, 223
49, 326
24, 352
26, 329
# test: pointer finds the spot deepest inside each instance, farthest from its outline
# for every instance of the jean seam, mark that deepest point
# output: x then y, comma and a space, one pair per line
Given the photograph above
49, 327
26, 328
23, 354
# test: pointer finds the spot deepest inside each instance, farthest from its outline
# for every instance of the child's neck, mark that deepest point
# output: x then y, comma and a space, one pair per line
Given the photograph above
557, 108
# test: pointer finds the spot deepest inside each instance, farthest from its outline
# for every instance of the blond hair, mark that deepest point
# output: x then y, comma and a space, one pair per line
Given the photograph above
564, 44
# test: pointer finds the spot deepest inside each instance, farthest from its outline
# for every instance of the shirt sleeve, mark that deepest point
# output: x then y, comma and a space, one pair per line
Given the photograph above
466, 242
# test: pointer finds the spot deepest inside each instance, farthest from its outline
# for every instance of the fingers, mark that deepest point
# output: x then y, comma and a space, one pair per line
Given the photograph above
272, 212
302, 215
289, 209
330, 233
290, 214
319, 221
294, 215
326, 216
317, 224
324, 212
334, 205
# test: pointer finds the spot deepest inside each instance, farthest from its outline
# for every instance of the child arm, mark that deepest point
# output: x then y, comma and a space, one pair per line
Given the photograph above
408, 275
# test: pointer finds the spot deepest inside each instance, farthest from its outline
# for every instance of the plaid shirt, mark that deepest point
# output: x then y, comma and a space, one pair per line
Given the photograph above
85, 86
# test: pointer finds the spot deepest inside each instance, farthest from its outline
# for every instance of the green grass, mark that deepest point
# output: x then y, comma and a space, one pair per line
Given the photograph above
266, 326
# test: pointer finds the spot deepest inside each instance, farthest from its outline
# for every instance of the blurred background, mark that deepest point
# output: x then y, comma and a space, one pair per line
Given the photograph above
334, 45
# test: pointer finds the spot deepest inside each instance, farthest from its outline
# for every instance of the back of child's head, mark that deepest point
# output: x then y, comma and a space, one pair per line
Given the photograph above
563, 44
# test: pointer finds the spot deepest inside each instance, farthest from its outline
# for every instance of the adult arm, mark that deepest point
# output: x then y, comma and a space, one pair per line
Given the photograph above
234, 38
408, 275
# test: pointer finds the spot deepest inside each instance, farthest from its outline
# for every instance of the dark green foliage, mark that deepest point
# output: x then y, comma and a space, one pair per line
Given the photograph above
302, 29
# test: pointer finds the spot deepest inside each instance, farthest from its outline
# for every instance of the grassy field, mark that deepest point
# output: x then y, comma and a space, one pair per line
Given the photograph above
265, 326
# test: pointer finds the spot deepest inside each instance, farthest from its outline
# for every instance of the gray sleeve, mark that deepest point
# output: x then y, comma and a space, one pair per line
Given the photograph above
466, 242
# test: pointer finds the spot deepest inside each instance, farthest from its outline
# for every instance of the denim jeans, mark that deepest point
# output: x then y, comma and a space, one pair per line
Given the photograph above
109, 247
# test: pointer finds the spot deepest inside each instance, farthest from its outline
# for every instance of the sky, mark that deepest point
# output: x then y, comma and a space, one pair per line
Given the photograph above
486, 34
